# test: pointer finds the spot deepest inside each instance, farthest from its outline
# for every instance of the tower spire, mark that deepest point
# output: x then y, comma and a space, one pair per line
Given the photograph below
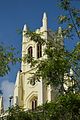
44, 15
44, 21
25, 28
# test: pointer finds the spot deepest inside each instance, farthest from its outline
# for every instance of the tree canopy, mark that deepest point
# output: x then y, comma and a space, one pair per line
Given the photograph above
8, 56
66, 107
60, 61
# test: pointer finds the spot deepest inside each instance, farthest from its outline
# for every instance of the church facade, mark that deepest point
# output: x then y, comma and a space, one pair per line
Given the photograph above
30, 95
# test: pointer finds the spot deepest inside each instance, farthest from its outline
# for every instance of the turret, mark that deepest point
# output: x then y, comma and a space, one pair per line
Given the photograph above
24, 42
44, 21
18, 90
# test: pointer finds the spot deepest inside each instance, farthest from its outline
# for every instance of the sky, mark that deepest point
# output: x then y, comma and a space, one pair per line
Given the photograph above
13, 15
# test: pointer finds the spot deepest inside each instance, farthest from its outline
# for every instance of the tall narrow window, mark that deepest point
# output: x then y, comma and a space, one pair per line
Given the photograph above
39, 50
30, 51
34, 104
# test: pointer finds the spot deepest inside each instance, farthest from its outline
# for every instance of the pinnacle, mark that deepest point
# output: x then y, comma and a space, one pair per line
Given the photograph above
25, 28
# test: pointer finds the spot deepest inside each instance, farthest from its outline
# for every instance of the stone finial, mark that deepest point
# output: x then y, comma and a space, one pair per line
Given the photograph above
44, 21
25, 28
44, 15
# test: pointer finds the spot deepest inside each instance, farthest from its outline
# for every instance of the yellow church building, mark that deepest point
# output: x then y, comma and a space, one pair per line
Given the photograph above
30, 95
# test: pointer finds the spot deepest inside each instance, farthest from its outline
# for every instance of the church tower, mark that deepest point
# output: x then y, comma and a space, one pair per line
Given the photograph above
28, 94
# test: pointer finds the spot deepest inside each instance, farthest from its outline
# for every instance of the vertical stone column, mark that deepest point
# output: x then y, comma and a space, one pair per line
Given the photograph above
1, 105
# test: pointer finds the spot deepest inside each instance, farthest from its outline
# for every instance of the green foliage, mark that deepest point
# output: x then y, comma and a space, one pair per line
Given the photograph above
71, 18
58, 60
71, 24
66, 107
7, 57
35, 37
16, 113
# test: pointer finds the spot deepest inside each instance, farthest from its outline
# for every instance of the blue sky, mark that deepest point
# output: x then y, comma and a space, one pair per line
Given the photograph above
14, 14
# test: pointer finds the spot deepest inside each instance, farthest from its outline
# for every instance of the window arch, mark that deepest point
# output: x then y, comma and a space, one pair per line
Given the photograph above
34, 103
32, 100
30, 51
39, 50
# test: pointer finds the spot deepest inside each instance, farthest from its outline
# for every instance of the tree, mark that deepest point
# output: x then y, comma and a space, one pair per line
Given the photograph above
72, 19
59, 61
71, 25
17, 113
64, 108
7, 56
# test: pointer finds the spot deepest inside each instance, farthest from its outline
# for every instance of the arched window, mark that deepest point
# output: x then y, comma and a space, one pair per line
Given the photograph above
39, 50
30, 51
34, 104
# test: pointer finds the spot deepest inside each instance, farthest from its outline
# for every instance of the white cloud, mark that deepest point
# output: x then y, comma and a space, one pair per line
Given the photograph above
7, 87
